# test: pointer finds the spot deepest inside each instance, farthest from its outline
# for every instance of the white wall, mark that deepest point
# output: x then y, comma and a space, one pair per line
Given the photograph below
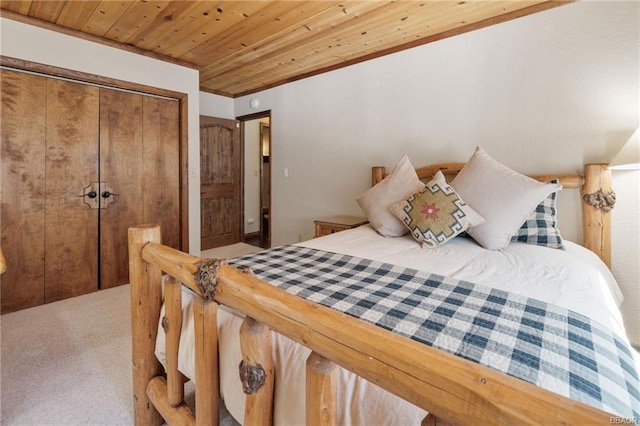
216, 106
625, 250
543, 93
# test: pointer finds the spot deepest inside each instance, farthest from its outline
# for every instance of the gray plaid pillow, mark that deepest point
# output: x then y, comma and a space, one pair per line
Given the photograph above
540, 228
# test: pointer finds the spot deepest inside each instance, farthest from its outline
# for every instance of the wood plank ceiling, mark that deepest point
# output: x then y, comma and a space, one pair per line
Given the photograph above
240, 47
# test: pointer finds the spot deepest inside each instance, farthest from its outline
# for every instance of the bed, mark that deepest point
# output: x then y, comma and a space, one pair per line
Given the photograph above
375, 330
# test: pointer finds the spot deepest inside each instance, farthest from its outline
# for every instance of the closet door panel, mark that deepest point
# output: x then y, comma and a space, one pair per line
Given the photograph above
22, 153
71, 164
121, 167
161, 161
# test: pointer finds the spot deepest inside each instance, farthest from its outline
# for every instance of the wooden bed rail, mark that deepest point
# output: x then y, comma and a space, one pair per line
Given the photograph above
453, 389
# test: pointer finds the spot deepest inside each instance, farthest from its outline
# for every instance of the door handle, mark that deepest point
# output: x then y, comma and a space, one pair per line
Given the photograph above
90, 196
105, 198
107, 195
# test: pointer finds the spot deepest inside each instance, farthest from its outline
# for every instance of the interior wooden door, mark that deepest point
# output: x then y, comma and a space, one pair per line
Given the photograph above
71, 164
220, 182
139, 174
22, 189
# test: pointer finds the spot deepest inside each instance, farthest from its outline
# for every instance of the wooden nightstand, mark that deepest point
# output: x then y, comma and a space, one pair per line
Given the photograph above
329, 225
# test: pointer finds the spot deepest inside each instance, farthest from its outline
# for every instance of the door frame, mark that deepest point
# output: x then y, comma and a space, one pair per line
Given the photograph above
115, 84
242, 119
265, 174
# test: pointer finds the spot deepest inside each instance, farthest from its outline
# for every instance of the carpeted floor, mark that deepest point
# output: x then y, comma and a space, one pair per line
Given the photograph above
232, 250
69, 362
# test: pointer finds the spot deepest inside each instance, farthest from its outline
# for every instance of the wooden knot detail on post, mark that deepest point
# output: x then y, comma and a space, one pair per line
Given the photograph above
206, 276
252, 377
165, 324
600, 200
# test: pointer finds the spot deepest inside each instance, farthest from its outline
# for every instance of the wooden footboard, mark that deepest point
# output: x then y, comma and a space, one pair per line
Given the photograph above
453, 389
158, 394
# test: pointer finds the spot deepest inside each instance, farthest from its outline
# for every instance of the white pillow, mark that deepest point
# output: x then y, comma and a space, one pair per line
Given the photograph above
435, 214
503, 197
402, 182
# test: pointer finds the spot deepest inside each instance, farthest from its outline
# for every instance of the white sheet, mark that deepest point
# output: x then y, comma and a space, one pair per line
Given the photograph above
574, 278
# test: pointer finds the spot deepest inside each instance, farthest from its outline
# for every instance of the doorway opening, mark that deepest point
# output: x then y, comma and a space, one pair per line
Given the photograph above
257, 212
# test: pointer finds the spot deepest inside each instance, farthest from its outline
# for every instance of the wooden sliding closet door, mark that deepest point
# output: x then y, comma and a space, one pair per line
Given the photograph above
120, 175
71, 164
49, 155
22, 192
161, 172
139, 175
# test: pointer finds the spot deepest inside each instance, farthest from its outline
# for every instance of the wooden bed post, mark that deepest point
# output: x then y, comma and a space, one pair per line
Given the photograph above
597, 201
206, 347
256, 372
377, 174
172, 325
3, 263
321, 391
146, 300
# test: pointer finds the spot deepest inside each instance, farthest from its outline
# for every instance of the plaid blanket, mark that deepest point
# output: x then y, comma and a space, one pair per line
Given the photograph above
543, 344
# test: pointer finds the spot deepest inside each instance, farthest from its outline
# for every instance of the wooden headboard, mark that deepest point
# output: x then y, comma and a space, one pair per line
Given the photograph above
595, 190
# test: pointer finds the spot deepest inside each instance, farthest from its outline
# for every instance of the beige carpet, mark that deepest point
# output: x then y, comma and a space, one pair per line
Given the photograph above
69, 362
232, 250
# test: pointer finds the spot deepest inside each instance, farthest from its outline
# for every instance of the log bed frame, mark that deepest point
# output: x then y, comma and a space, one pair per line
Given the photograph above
453, 390
3, 263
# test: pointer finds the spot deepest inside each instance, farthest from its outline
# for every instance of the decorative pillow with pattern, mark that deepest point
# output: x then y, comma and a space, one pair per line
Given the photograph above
540, 228
436, 214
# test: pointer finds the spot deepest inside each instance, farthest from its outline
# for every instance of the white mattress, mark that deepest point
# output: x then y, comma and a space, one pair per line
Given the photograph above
574, 278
